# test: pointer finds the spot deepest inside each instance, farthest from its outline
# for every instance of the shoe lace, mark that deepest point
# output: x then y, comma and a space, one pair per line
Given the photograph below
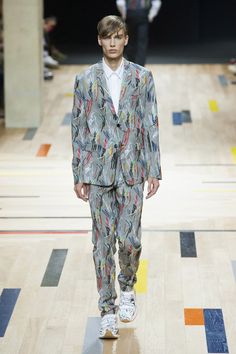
127, 300
109, 323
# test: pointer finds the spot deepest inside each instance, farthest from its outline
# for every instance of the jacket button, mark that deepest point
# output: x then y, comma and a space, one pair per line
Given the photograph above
118, 125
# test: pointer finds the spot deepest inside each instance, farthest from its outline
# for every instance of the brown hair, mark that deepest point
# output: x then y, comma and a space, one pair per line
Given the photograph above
111, 24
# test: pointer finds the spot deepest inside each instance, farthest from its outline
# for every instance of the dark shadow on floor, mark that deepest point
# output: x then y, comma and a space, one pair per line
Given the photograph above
217, 52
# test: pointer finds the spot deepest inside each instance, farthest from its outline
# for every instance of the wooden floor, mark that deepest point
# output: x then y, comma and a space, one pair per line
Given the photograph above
187, 278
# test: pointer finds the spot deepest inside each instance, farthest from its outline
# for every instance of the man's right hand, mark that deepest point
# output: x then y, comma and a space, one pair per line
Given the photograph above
82, 191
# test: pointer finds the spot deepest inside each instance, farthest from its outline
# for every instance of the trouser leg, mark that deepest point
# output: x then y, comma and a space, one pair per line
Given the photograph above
138, 27
142, 43
130, 200
103, 210
131, 48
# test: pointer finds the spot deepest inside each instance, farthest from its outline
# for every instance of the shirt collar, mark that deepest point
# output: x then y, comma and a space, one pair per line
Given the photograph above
108, 71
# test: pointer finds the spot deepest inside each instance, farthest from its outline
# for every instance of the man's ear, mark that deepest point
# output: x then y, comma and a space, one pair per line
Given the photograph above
99, 41
126, 40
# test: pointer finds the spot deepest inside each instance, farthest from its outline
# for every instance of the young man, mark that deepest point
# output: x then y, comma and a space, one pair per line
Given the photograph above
115, 150
138, 14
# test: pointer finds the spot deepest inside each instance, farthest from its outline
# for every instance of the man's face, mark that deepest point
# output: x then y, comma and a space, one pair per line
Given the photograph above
113, 45
49, 25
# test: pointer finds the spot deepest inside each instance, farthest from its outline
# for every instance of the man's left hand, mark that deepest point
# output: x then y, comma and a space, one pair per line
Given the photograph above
153, 185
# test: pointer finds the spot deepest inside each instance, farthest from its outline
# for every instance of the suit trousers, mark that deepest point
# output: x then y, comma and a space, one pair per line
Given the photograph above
116, 215
138, 26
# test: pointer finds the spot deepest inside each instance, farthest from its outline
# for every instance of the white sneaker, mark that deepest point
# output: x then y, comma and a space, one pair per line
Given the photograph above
128, 307
109, 327
50, 62
232, 68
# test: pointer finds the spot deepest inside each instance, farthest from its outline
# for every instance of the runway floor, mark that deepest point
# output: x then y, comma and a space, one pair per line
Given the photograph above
186, 286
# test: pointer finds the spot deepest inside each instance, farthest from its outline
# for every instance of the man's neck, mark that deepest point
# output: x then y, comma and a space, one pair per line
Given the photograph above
113, 63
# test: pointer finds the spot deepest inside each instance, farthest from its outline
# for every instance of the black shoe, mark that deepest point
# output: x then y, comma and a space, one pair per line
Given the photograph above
47, 74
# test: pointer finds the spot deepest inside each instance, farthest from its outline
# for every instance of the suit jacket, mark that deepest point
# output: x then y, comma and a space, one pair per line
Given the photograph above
99, 135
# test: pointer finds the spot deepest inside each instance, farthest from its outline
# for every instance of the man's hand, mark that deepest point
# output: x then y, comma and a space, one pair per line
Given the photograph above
150, 18
82, 191
153, 185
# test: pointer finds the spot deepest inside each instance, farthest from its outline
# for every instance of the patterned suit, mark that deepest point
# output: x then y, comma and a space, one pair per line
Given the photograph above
115, 154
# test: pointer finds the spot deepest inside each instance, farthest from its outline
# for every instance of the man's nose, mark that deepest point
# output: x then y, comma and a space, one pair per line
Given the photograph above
112, 42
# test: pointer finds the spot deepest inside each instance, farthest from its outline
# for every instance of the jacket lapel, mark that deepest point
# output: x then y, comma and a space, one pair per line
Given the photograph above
127, 77
102, 89
101, 80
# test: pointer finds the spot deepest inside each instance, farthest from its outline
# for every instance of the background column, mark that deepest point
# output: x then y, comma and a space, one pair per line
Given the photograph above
23, 67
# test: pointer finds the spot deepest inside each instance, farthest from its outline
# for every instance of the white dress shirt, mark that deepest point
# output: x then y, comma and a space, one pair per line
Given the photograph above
114, 79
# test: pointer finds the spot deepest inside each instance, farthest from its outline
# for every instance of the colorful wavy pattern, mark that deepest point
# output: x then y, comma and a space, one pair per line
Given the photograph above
99, 134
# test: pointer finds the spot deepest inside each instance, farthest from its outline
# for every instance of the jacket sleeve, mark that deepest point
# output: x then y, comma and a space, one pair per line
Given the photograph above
78, 131
151, 133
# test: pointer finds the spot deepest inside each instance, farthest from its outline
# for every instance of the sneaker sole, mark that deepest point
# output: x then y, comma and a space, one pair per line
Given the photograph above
109, 335
132, 319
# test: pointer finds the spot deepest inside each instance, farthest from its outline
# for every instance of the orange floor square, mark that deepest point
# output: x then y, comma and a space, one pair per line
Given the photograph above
194, 317
43, 150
